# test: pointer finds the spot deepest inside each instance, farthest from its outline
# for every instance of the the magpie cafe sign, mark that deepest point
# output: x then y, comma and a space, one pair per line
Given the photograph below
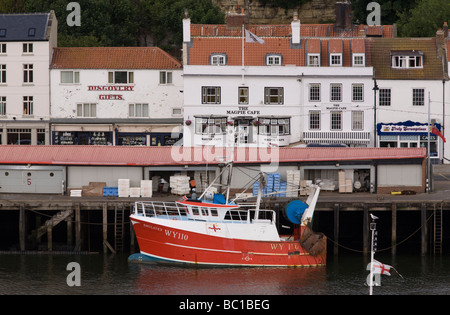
111, 88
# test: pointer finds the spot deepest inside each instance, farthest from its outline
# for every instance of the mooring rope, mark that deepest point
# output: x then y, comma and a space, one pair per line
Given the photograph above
387, 248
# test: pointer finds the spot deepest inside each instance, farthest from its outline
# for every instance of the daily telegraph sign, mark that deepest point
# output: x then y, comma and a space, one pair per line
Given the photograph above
404, 128
111, 88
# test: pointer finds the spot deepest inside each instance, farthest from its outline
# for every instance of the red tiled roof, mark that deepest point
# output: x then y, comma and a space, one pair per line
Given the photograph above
145, 156
306, 30
336, 46
202, 48
255, 53
448, 48
112, 58
358, 45
313, 45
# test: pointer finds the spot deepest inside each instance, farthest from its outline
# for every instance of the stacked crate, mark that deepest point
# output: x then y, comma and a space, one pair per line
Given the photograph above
146, 188
273, 184
124, 187
201, 180
345, 181
155, 182
179, 185
293, 183
135, 192
110, 191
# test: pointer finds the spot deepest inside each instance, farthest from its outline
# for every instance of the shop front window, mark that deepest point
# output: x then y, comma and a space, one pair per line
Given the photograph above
433, 144
19, 136
274, 127
82, 138
132, 140
210, 125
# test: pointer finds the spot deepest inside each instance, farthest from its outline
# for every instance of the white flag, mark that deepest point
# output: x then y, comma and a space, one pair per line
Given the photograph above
252, 38
380, 268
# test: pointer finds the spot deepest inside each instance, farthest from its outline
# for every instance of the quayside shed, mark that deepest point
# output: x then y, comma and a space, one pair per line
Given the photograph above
56, 169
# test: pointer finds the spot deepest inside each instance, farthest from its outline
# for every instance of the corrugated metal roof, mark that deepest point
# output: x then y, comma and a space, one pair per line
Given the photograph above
147, 156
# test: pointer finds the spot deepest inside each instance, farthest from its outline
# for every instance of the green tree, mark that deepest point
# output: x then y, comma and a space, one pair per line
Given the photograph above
161, 20
390, 10
424, 19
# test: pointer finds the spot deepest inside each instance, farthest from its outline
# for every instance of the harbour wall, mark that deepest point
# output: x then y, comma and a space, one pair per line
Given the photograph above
35, 223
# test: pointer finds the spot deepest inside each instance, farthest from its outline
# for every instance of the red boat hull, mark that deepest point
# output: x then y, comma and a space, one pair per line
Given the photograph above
168, 244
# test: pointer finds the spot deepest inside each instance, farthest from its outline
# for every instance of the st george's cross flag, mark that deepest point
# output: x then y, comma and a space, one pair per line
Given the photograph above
252, 38
380, 268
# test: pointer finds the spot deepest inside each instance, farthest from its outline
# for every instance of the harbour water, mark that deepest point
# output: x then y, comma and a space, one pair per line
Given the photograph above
113, 275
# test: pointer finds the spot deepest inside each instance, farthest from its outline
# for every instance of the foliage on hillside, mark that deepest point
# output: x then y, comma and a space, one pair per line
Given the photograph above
158, 22
122, 22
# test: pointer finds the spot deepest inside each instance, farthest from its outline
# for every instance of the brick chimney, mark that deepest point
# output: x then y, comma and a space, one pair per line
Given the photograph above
440, 37
295, 28
236, 19
186, 27
343, 11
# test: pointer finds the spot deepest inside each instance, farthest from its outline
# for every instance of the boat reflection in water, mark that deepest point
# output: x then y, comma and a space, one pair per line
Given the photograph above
167, 280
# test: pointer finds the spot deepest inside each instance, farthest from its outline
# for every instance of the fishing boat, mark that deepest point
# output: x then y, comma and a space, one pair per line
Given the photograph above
212, 230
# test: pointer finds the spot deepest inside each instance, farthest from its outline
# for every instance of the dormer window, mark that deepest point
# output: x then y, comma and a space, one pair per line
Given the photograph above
273, 60
218, 59
31, 32
407, 59
336, 60
313, 60
359, 60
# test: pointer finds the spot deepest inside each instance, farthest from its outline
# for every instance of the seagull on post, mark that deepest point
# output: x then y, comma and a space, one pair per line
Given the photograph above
373, 217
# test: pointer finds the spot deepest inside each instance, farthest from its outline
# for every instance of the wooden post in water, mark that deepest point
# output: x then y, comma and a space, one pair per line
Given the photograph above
423, 210
105, 227
394, 229
77, 227
22, 233
365, 229
69, 231
336, 229
49, 237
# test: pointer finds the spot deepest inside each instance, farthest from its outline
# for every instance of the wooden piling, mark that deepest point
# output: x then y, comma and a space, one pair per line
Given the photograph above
77, 227
105, 228
69, 231
394, 229
336, 229
50, 237
22, 232
365, 229
423, 210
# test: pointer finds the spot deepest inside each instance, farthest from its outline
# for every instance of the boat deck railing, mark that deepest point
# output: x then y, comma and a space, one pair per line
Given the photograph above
176, 211
157, 209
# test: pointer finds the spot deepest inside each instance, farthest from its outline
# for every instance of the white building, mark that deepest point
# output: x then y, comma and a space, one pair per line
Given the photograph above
115, 95
279, 88
26, 43
411, 78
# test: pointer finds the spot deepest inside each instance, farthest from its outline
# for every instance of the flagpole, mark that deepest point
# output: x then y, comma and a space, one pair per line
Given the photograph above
371, 267
243, 60
373, 227
428, 149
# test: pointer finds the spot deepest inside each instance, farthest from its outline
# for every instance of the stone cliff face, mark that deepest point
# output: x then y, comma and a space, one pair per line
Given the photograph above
314, 11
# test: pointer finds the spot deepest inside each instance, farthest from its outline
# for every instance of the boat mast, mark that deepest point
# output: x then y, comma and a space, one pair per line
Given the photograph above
230, 171
258, 199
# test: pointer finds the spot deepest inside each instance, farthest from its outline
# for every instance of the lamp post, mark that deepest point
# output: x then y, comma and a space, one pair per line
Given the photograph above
375, 89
